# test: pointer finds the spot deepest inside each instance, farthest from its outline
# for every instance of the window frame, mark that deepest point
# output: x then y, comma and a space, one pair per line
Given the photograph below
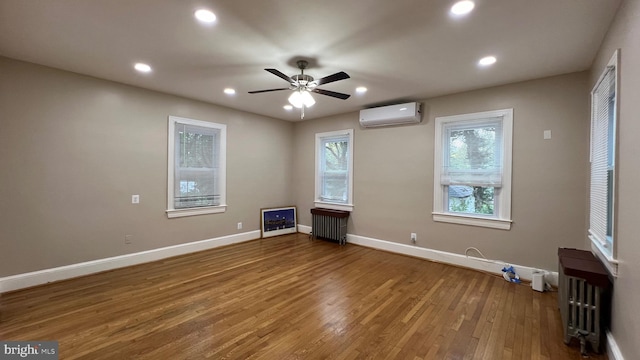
609, 258
171, 211
502, 197
318, 201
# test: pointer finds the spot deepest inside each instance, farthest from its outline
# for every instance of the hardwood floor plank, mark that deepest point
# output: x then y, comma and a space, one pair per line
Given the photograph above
289, 297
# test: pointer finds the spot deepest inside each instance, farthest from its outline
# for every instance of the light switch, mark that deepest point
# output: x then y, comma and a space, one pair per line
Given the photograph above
135, 199
547, 134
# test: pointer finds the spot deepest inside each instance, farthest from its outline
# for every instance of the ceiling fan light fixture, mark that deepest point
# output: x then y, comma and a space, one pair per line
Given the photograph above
301, 98
307, 99
296, 99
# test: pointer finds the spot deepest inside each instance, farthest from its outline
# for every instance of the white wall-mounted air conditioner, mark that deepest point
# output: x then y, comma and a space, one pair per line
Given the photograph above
409, 113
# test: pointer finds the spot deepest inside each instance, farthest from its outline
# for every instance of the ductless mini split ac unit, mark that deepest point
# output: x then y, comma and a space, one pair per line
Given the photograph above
409, 113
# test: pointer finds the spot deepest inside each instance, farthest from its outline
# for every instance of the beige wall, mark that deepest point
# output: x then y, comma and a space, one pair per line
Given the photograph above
73, 149
393, 173
624, 34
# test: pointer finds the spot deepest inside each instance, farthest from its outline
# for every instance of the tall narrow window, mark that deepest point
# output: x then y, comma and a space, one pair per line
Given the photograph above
472, 169
196, 167
603, 161
334, 174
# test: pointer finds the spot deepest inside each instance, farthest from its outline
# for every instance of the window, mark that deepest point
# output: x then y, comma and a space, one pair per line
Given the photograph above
603, 145
334, 170
196, 167
472, 169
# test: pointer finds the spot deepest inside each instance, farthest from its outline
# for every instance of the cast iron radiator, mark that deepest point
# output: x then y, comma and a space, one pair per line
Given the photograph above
584, 297
329, 224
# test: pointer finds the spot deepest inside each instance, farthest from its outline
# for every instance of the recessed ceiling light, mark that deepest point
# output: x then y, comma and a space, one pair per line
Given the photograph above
361, 89
462, 7
487, 60
141, 67
229, 91
205, 16
288, 107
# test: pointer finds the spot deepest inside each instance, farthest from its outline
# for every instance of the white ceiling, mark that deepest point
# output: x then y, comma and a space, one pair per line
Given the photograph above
400, 50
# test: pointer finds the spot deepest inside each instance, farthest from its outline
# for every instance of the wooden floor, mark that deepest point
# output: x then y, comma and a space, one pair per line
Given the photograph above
289, 298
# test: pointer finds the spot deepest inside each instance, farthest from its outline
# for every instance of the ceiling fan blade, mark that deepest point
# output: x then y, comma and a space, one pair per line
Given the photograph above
280, 75
261, 91
335, 77
331, 93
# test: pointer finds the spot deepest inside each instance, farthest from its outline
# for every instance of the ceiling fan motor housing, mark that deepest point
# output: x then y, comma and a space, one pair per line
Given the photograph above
302, 79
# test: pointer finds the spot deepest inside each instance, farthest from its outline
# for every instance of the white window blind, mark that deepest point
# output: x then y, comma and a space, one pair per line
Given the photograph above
603, 100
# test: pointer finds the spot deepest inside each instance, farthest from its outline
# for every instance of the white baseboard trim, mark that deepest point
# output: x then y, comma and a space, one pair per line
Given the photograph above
21, 281
304, 229
613, 351
491, 266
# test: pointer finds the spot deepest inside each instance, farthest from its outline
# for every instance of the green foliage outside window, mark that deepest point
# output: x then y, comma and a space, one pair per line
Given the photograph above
473, 149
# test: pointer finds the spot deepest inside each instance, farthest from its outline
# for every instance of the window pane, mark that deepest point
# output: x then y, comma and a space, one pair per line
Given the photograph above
336, 155
603, 139
334, 186
335, 170
195, 150
471, 199
196, 167
472, 148
610, 162
609, 205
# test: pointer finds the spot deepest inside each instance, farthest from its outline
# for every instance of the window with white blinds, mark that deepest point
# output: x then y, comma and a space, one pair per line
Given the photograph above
334, 175
196, 167
472, 169
603, 144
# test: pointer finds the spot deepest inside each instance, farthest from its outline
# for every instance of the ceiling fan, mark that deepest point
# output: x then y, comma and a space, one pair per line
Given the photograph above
303, 85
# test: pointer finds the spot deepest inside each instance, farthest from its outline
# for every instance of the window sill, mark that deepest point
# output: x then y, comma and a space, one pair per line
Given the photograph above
334, 206
174, 213
472, 220
609, 262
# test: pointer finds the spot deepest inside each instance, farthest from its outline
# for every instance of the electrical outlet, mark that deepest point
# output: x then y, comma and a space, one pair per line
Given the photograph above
239, 226
127, 239
135, 199
414, 237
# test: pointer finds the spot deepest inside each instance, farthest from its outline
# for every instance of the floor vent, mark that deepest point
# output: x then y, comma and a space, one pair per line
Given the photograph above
329, 224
